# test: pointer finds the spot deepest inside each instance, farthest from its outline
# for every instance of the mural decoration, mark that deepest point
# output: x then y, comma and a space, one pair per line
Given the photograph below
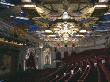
47, 56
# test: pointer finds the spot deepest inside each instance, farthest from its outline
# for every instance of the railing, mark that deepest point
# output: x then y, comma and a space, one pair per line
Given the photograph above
5, 25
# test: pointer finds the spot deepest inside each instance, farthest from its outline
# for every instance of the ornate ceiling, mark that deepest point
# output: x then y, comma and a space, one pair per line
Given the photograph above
60, 20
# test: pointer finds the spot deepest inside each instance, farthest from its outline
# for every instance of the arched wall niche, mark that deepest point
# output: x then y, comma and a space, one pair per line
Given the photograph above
47, 56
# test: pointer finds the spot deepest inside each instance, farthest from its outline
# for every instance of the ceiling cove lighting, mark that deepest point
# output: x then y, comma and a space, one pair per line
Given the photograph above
48, 31
104, 21
82, 31
52, 35
5, 3
101, 6
26, 0
39, 10
24, 18
12, 42
79, 35
103, 0
108, 13
29, 5
102, 30
11, 16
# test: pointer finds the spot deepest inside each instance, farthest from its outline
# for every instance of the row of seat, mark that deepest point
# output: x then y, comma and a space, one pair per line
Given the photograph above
83, 68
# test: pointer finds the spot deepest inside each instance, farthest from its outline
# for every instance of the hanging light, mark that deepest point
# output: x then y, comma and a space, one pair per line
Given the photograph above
65, 30
65, 16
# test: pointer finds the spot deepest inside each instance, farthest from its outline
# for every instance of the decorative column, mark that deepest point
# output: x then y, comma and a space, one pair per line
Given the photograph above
41, 55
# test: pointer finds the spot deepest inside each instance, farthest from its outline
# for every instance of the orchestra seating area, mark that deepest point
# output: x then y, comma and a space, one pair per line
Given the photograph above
88, 66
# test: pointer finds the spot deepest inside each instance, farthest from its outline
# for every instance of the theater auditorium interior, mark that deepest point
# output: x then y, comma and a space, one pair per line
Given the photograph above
54, 41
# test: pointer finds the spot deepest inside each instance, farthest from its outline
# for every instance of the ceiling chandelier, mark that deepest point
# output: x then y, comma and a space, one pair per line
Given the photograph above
65, 30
